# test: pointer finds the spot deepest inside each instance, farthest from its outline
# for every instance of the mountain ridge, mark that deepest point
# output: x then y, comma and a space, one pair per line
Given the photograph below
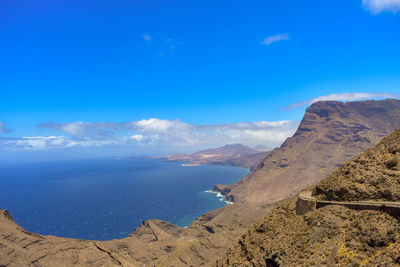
330, 134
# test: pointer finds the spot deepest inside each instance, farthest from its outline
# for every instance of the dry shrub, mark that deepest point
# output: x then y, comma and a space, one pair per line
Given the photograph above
392, 163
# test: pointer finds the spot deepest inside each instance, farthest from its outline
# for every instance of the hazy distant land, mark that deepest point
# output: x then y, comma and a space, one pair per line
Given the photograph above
231, 155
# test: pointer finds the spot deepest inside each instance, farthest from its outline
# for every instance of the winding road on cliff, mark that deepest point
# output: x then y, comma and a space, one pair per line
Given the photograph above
306, 203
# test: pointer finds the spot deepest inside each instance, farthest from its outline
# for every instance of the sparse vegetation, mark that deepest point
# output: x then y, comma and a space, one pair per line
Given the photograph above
349, 237
326, 236
392, 163
373, 175
395, 149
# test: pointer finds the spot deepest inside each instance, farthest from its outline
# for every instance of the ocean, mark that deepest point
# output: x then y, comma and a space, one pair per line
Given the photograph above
104, 199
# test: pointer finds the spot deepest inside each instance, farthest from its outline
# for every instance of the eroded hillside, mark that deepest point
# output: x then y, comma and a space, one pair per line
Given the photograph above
332, 234
373, 175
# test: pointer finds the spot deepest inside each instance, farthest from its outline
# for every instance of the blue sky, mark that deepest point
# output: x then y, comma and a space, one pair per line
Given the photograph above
197, 68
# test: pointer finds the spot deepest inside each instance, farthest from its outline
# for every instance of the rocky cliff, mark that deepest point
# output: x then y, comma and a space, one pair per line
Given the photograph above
330, 134
332, 235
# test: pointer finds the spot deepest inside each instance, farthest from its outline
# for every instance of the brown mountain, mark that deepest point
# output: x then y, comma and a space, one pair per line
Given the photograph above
329, 135
232, 155
360, 234
228, 149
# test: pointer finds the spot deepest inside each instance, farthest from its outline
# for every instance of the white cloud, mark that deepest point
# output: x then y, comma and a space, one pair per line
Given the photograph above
57, 142
378, 6
36, 142
342, 97
251, 133
157, 132
275, 38
137, 137
155, 125
146, 37
81, 129
3, 128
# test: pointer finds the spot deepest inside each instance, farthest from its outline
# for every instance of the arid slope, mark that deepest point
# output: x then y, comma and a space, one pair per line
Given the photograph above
332, 235
373, 175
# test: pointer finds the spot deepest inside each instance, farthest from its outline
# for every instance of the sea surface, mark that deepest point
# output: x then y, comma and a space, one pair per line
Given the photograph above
104, 199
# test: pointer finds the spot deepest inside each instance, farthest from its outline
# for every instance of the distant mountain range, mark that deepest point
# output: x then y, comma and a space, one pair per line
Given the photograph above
232, 155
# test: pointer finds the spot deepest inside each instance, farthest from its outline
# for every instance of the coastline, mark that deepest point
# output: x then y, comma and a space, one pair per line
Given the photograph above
122, 170
250, 166
220, 196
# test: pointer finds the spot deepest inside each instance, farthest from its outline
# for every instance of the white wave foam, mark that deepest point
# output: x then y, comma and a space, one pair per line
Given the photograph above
220, 196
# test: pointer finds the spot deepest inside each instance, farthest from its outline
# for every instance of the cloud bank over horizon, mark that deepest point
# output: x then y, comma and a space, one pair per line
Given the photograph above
341, 97
378, 6
154, 133
167, 135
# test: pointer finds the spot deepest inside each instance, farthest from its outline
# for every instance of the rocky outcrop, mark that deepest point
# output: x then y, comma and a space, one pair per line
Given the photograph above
330, 236
21, 248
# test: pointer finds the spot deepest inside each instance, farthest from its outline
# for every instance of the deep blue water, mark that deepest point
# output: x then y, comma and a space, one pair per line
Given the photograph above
103, 199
